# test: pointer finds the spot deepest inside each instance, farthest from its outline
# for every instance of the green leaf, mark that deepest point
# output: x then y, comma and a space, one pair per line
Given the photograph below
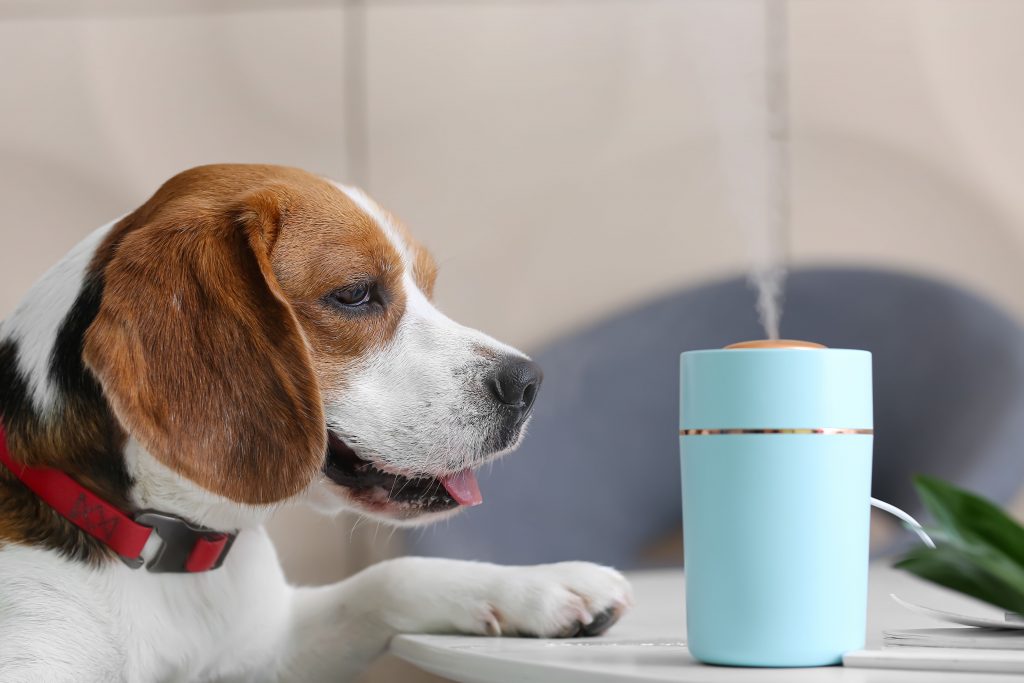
971, 518
949, 567
980, 549
990, 558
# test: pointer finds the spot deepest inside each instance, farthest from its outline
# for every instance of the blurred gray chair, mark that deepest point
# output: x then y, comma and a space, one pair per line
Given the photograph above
597, 477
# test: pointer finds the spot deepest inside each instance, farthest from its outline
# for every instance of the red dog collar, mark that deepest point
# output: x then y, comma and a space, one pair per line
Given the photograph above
184, 548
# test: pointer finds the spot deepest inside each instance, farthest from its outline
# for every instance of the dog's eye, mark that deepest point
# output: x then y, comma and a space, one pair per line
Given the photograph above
354, 295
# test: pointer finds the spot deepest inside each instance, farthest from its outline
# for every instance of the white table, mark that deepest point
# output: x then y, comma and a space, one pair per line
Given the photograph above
649, 644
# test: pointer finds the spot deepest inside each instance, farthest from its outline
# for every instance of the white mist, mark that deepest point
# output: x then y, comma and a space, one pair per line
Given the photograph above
741, 57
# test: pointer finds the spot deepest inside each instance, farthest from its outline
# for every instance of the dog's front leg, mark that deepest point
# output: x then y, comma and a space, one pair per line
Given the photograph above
337, 630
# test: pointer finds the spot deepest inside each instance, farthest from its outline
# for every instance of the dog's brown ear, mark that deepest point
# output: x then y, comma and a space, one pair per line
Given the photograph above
200, 354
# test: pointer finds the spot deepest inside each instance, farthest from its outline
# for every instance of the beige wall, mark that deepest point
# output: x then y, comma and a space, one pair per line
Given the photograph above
567, 140
544, 150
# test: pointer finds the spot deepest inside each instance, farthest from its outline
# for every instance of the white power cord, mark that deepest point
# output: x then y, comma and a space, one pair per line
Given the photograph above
907, 519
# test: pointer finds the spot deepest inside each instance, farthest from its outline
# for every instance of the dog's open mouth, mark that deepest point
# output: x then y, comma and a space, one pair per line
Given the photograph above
426, 493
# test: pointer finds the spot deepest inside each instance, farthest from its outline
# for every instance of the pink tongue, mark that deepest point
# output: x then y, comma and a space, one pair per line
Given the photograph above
463, 487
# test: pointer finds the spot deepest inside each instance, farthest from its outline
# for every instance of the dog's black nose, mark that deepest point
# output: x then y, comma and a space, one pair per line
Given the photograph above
515, 382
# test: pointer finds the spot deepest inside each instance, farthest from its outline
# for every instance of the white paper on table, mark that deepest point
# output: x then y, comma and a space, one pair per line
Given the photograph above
957, 637
962, 619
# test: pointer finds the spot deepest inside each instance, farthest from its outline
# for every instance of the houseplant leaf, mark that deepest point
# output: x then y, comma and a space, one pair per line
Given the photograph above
969, 517
979, 551
950, 568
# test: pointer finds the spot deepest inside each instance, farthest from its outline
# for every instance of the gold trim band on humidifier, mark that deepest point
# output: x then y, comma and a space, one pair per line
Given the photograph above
820, 430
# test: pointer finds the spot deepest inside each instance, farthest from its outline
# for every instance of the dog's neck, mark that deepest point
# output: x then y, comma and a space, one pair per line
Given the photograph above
157, 487
55, 414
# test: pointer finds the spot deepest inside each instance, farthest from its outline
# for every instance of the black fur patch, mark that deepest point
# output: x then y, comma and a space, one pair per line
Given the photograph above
67, 370
15, 406
80, 436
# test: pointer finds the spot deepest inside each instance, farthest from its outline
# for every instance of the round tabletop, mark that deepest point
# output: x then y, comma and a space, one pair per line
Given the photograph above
649, 644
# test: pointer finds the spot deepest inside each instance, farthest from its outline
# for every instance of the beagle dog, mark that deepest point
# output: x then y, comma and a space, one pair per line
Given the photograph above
250, 337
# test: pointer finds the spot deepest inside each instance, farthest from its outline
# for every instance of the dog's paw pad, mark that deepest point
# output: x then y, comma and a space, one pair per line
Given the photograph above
603, 621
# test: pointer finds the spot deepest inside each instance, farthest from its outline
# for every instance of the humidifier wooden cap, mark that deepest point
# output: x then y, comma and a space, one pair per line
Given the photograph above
776, 344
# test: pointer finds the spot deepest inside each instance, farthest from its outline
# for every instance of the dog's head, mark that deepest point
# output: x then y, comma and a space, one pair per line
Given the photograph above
269, 334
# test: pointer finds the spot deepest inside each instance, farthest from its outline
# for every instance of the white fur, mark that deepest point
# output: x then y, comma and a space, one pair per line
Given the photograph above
430, 377
61, 620
158, 487
35, 321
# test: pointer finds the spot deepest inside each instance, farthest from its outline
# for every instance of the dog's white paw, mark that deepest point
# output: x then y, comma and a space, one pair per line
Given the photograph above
564, 600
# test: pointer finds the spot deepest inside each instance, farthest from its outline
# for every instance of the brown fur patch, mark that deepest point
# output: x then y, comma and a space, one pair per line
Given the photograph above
328, 243
204, 325
196, 346
424, 268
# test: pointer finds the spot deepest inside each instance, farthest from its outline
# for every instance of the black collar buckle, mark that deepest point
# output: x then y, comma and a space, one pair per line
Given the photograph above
179, 541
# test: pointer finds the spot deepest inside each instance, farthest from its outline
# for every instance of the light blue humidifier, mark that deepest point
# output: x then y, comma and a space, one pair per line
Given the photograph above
776, 442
